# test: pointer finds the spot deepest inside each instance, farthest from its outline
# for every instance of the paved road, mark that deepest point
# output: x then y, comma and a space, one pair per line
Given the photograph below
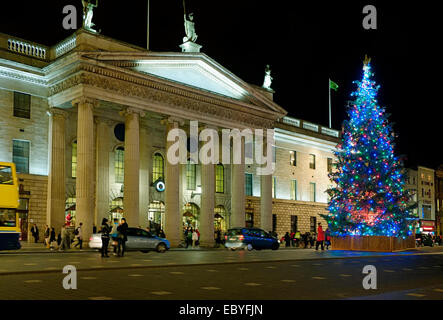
286, 274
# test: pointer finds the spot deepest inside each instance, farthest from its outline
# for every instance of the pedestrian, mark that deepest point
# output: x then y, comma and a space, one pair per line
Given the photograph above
64, 239
327, 238
188, 237
287, 240
114, 235
312, 238
218, 238
59, 239
305, 239
122, 237
105, 238
297, 238
194, 238
162, 234
34, 231
320, 237
52, 239
79, 235
198, 237
292, 236
46, 235
94, 229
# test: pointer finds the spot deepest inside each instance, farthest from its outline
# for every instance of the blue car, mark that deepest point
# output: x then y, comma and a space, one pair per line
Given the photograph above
250, 238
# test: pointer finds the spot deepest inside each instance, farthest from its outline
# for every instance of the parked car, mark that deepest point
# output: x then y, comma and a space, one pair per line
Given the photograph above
250, 238
138, 240
424, 239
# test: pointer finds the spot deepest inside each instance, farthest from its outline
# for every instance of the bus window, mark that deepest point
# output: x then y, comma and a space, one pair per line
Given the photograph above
6, 175
7, 218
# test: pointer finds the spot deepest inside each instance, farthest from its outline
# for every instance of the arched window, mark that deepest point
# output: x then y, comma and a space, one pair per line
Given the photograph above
158, 167
74, 159
119, 165
220, 218
190, 175
220, 178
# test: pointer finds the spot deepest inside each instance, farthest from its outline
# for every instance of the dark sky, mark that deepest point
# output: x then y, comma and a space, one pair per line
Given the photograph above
304, 42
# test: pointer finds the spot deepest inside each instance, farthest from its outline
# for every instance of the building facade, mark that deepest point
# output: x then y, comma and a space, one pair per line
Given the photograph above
439, 199
87, 120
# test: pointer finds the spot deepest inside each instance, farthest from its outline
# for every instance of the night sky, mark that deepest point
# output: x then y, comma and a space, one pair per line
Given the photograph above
305, 44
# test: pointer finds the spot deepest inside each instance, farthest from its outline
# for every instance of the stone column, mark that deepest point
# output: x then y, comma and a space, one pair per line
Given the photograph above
207, 201
266, 202
131, 196
238, 191
85, 165
103, 147
55, 211
173, 218
145, 161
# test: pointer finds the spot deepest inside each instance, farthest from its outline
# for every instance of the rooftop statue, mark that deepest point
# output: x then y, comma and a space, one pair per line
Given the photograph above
88, 7
190, 29
268, 79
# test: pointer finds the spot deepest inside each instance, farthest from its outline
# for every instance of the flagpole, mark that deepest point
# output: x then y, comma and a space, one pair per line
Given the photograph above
329, 85
147, 35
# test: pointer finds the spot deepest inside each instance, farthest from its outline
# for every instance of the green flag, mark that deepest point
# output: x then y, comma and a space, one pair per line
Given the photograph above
333, 85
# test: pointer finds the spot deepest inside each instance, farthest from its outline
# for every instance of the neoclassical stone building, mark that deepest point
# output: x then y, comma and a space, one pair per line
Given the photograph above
86, 123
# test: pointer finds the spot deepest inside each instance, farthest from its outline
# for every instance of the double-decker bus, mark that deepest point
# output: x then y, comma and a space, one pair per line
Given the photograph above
9, 201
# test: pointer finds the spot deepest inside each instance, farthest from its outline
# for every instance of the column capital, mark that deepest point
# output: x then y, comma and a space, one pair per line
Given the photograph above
57, 112
85, 100
128, 111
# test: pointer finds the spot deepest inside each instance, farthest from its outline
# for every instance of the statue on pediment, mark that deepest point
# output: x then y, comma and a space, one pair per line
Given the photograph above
268, 79
189, 26
88, 12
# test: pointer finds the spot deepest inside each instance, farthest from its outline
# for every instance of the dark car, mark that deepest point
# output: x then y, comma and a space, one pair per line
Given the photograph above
250, 238
423, 239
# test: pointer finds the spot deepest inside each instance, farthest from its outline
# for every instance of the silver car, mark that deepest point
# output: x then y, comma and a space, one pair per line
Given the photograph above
138, 240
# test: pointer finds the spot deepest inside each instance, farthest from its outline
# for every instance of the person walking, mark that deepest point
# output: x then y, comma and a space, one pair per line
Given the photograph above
34, 231
292, 235
79, 235
297, 238
114, 235
320, 237
194, 238
327, 238
305, 238
122, 237
46, 235
105, 238
312, 239
188, 236
64, 239
287, 240
52, 239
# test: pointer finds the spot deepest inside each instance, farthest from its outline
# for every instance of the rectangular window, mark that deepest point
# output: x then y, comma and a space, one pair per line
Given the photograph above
312, 161
294, 189
293, 158
20, 155
22, 105
426, 212
313, 224
119, 165
330, 165
274, 222
294, 226
249, 222
190, 176
312, 191
274, 187
220, 179
74, 160
248, 184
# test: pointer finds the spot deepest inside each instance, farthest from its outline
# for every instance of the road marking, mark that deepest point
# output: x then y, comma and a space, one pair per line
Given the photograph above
176, 272
317, 264
210, 288
243, 269
135, 275
161, 293
438, 290
33, 281
136, 265
288, 280
30, 264
212, 270
100, 298
345, 275
318, 278
295, 265
407, 269
88, 278
388, 270
416, 295
270, 267
51, 268
252, 284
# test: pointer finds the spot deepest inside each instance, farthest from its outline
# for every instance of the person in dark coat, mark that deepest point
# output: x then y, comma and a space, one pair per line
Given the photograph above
52, 239
287, 239
122, 230
34, 231
162, 234
105, 238
327, 238
320, 237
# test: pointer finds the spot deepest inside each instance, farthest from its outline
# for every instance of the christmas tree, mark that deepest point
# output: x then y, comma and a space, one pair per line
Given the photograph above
369, 198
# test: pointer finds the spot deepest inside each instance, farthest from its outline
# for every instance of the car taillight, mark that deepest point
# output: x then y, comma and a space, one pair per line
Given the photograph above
90, 239
241, 238
226, 237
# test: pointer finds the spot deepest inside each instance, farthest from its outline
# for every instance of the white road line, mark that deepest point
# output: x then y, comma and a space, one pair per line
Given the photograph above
388, 270
319, 278
345, 275
270, 267
51, 268
288, 280
243, 269
407, 269
317, 264
209, 288
252, 284
212, 270
135, 275
161, 293
100, 298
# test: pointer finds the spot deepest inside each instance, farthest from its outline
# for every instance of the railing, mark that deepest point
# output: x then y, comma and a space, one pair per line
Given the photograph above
65, 46
310, 126
291, 121
329, 132
26, 48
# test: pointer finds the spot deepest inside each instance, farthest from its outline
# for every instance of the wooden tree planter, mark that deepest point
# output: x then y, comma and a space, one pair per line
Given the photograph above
372, 243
